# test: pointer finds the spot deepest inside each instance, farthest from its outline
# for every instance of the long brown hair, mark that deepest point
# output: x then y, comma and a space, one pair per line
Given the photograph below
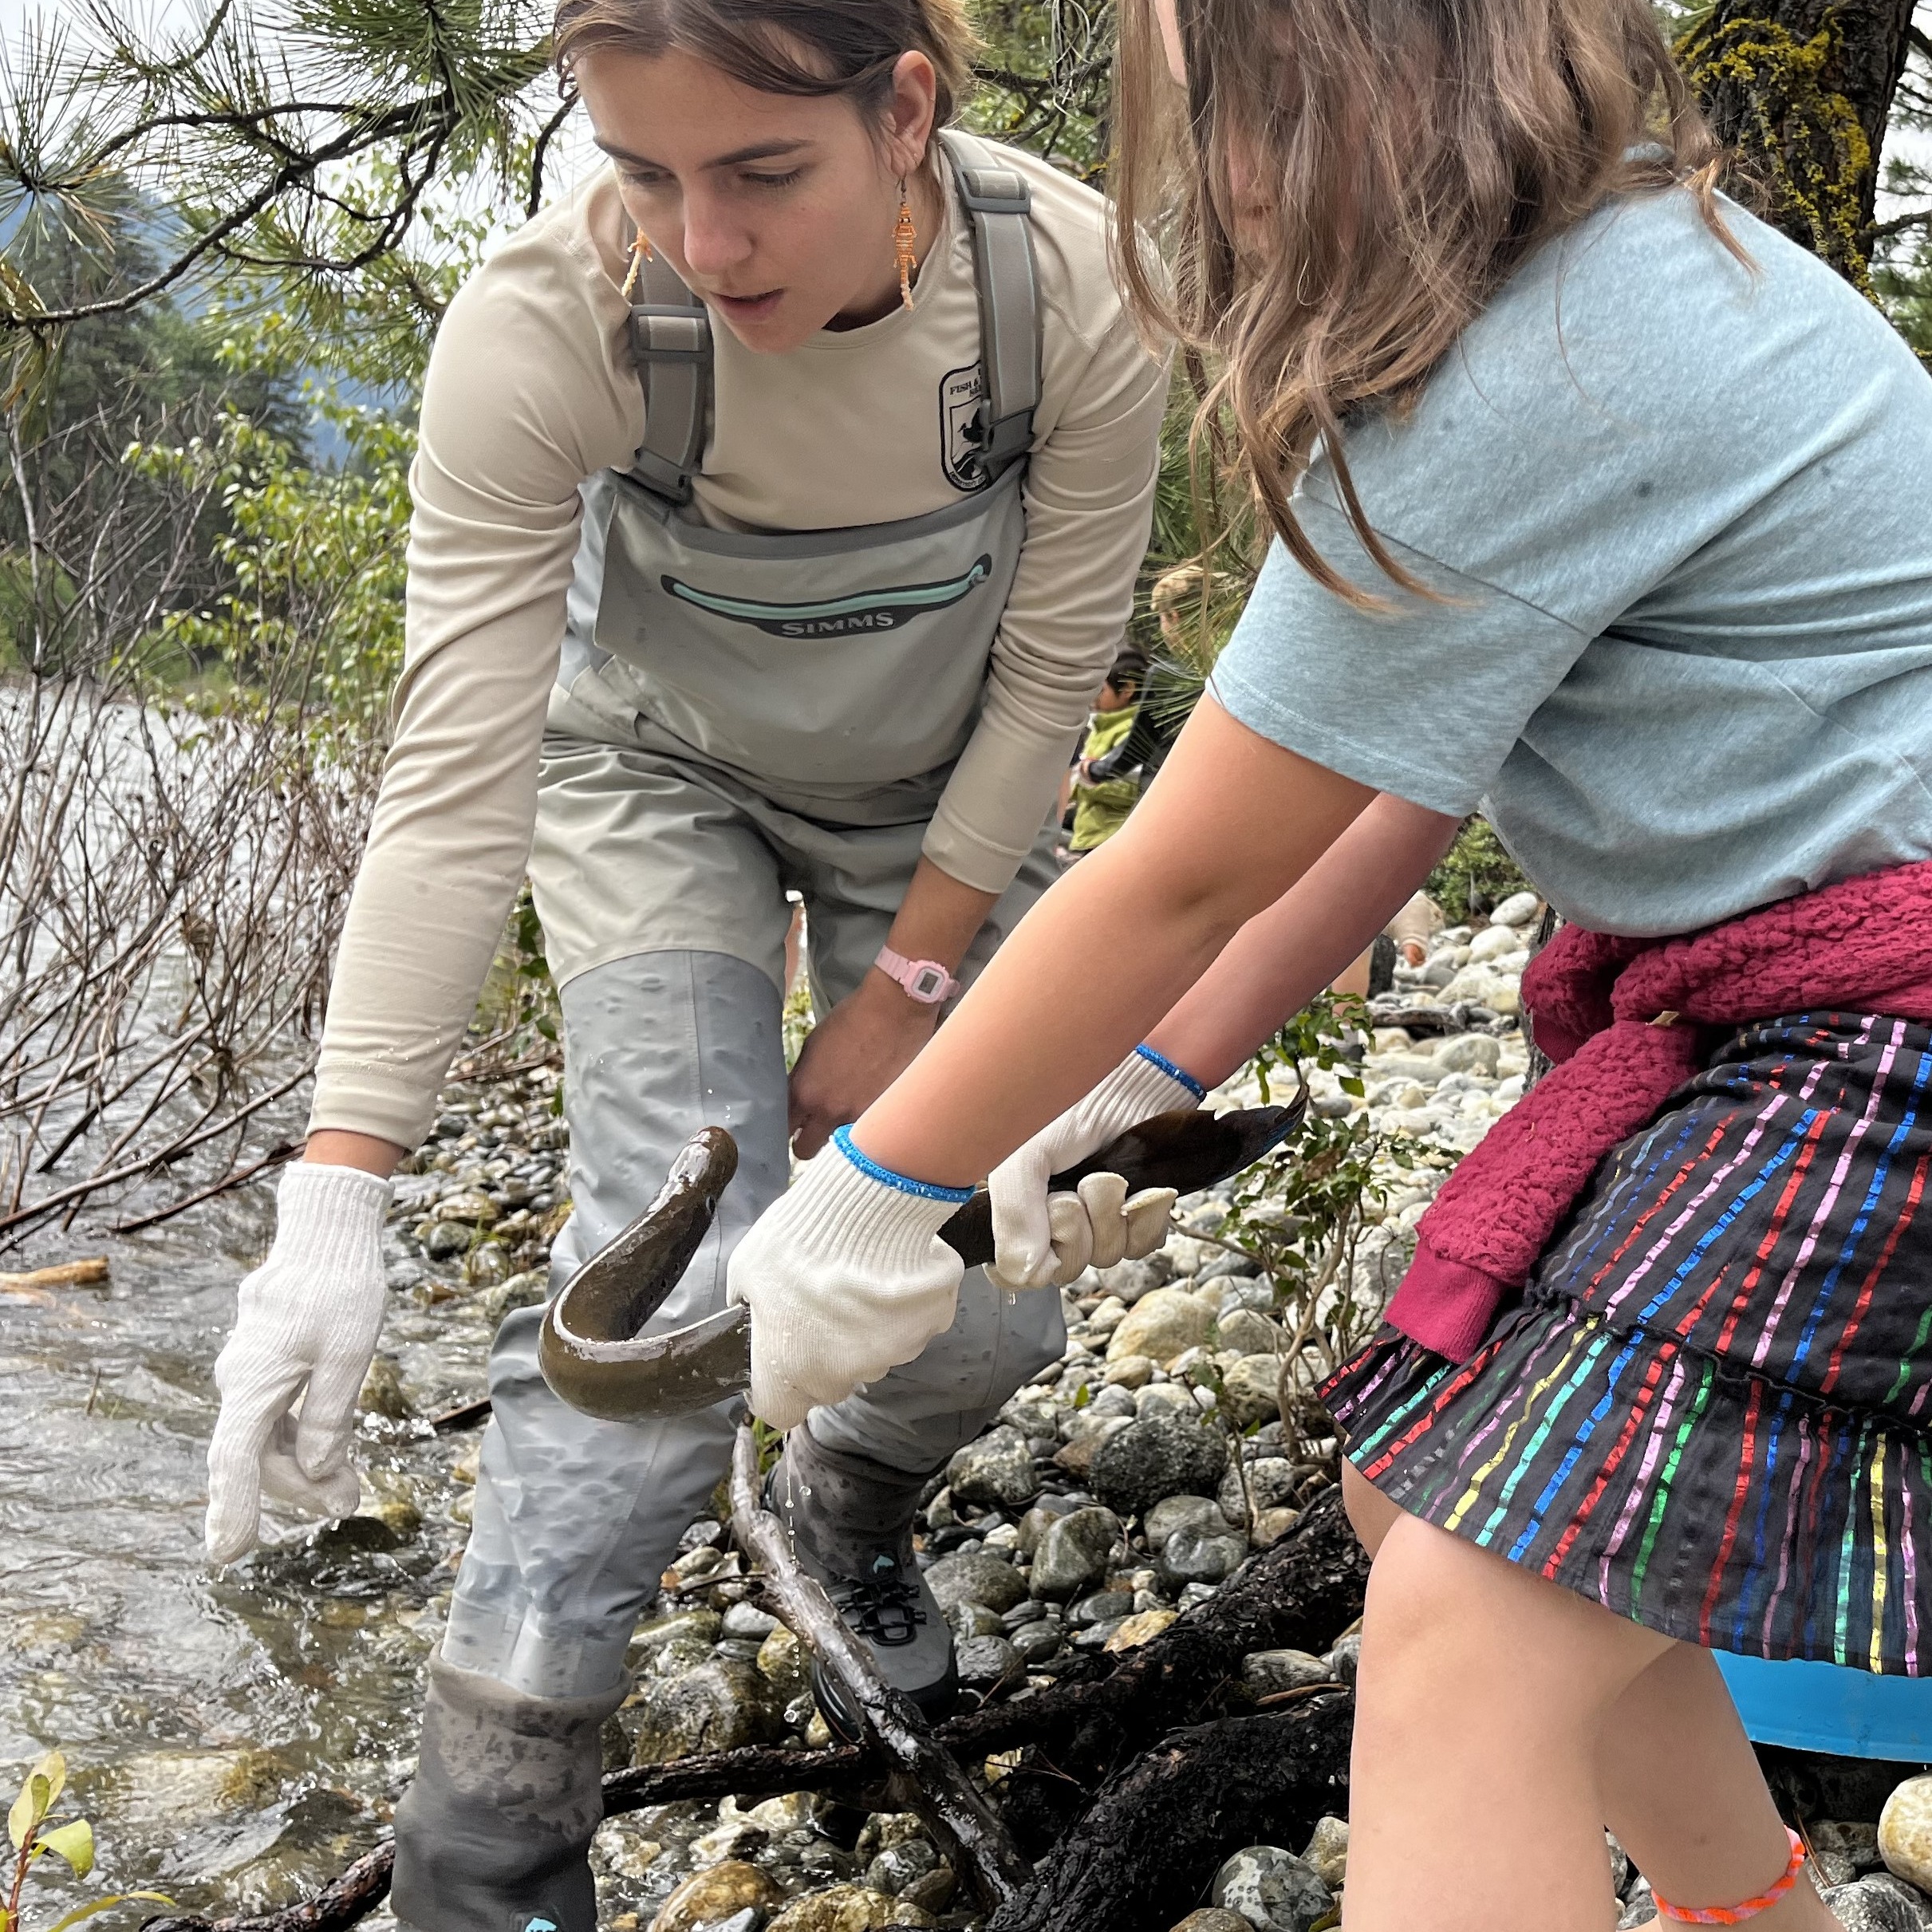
807, 47
1401, 157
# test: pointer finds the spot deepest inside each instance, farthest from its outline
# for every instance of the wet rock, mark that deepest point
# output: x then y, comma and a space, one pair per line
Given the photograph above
1183, 1512
1035, 1524
1035, 1643
718, 1706
1212, 1918
705, 1627
972, 1576
1074, 1553
1154, 1458
1327, 1851
445, 1240
1881, 1903
680, 1654
970, 1620
487, 1264
997, 1469
470, 1204
1266, 1672
1161, 1325
1249, 1389
748, 1620
623, 1851
735, 1838
706, 1896
382, 1390
847, 1908
1102, 1606
1273, 1889
1345, 1659
1142, 1627
932, 1892
1203, 1554
523, 1290
161, 1789
986, 1660
1271, 1481
899, 1865
1905, 1833
1519, 910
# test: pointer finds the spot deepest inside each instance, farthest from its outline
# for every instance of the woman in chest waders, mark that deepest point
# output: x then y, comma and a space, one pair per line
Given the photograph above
837, 530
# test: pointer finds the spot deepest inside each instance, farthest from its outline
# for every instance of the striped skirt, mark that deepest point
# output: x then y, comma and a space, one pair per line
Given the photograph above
1708, 1410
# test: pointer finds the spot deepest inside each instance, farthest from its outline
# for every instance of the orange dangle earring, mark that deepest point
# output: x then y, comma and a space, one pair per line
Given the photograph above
640, 253
903, 235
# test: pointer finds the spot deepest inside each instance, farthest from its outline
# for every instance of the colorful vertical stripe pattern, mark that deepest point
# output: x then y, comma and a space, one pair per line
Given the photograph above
1708, 1412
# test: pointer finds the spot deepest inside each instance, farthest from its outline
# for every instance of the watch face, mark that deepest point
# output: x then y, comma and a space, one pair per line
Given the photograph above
928, 983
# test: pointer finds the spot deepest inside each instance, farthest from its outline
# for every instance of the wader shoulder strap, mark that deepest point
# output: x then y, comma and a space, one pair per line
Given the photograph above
670, 342
997, 197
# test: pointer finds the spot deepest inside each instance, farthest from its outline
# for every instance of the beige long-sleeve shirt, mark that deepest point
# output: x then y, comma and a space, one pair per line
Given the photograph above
531, 390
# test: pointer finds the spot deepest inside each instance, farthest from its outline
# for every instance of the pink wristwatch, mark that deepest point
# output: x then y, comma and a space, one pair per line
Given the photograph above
925, 980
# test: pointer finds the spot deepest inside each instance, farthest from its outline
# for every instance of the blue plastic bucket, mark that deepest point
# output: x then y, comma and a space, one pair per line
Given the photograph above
1828, 1707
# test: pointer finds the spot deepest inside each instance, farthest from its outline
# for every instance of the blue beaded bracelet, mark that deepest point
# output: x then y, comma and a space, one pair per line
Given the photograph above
927, 1190
1173, 1072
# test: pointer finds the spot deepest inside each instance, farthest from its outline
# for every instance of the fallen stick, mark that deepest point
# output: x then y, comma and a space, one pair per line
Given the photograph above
465, 1415
933, 1783
91, 1273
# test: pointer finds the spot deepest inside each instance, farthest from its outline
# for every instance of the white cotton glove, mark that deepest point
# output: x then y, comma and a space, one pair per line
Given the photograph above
846, 1277
1046, 1241
304, 1333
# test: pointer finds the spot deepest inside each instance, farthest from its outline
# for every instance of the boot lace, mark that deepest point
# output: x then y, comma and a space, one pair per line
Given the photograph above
882, 1606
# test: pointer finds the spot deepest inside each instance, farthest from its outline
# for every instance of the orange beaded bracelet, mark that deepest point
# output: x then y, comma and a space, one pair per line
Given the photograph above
1736, 1914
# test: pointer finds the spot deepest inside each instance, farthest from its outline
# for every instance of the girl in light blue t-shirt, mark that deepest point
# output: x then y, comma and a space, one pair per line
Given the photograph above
1601, 505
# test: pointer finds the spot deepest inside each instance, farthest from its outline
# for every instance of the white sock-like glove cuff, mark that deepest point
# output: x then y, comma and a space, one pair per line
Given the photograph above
846, 1278
878, 1221
1143, 1085
328, 1215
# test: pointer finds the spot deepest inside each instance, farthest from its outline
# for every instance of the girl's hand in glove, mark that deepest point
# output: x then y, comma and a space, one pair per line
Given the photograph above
846, 1277
305, 1332
1044, 1240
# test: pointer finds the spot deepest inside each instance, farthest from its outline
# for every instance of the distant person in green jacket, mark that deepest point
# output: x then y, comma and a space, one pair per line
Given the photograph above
1103, 797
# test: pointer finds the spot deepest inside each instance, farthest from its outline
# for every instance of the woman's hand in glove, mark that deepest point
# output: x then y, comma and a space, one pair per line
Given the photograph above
846, 1277
1043, 1240
305, 1332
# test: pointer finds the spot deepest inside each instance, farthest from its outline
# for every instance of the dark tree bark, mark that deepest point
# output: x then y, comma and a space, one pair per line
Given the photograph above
1140, 1857
1801, 90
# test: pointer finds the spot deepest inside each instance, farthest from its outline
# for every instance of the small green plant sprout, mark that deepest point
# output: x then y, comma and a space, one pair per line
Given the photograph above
72, 1842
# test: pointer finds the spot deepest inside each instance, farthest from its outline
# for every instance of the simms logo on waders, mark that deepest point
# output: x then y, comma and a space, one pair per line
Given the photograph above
838, 617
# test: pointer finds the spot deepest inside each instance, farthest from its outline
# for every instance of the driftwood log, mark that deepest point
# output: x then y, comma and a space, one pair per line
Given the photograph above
1125, 1797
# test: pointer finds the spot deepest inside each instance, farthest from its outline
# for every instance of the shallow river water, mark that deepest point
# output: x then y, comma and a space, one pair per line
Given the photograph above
235, 1738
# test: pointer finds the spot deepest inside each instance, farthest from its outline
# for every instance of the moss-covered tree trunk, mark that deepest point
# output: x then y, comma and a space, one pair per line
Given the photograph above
1801, 89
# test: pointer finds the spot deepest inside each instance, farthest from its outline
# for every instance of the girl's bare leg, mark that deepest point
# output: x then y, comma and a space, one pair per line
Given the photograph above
1683, 1793
1502, 1721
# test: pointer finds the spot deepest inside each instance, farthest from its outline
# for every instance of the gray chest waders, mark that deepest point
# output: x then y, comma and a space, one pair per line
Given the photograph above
845, 666
837, 656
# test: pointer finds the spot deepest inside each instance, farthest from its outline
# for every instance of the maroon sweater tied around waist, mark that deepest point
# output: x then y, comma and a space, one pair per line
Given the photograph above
1622, 1019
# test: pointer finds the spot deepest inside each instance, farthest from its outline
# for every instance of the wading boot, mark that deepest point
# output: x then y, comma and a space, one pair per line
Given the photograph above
851, 1520
494, 1834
